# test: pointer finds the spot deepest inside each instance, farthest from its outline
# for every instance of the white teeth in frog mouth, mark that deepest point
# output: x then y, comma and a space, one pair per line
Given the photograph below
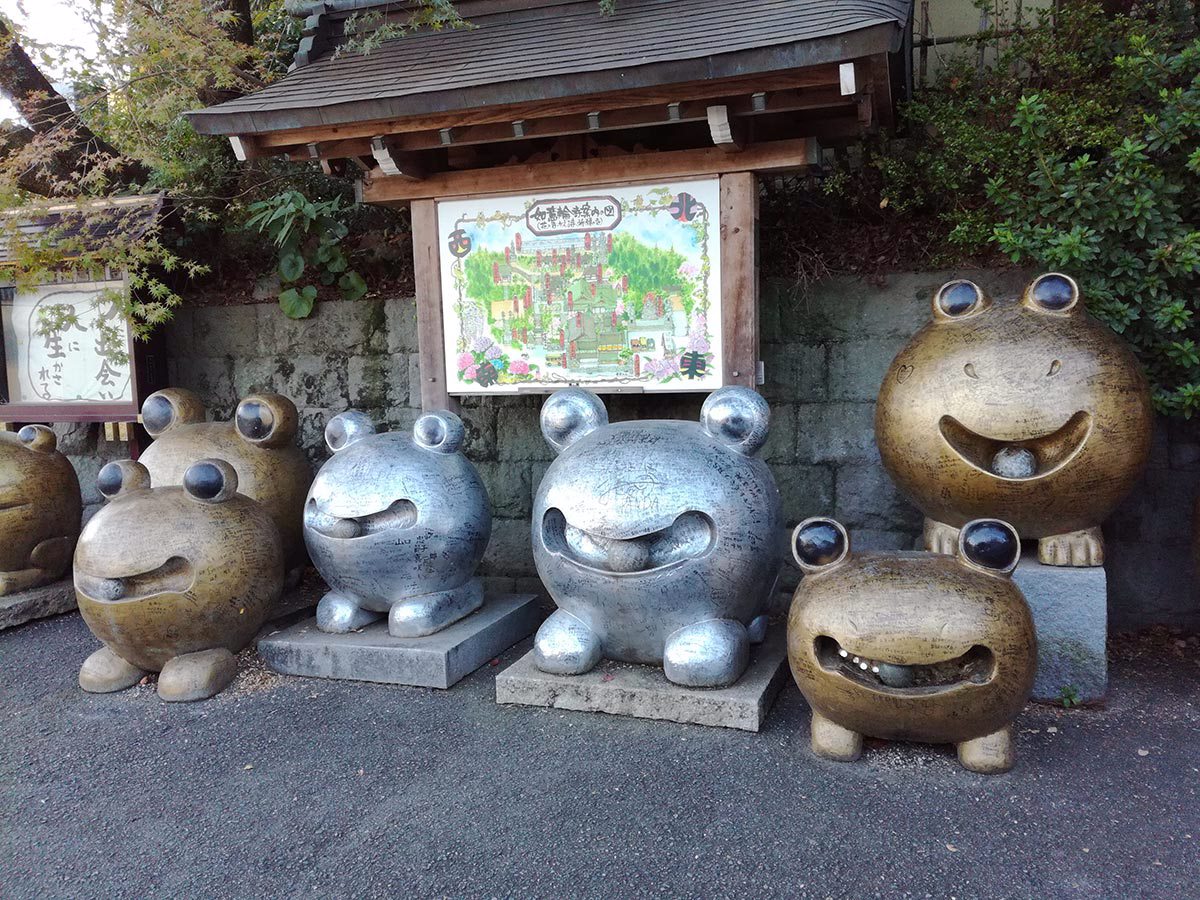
973, 667
400, 514
691, 535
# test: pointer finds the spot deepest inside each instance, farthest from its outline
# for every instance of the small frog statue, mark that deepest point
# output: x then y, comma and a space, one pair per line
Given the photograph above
174, 579
259, 443
656, 539
40, 509
396, 525
912, 646
1025, 409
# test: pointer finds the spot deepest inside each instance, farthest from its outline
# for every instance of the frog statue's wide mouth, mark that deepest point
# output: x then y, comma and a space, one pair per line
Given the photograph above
690, 536
976, 666
175, 576
1022, 460
398, 514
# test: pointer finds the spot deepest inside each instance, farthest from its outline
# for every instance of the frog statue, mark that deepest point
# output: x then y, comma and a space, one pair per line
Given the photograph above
259, 443
174, 579
396, 525
40, 508
912, 646
656, 539
1028, 410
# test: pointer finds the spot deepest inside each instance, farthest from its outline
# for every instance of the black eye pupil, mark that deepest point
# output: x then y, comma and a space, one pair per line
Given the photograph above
1053, 292
958, 298
109, 480
820, 543
255, 420
203, 480
990, 544
157, 414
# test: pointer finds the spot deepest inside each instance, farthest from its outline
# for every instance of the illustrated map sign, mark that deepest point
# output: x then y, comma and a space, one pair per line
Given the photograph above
88, 361
607, 288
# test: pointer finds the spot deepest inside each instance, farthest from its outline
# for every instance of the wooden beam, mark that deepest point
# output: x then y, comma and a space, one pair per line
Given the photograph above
776, 156
427, 273
826, 97
739, 277
813, 76
245, 147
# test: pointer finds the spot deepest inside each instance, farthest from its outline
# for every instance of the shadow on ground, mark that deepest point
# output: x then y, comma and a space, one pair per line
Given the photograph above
292, 787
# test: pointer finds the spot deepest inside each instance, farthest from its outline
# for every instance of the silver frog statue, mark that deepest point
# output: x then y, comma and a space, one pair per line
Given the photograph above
397, 524
658, 540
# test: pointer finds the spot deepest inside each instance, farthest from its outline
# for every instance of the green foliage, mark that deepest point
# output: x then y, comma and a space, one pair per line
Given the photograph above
1069, 696
1076, 149
308, 236
481, 287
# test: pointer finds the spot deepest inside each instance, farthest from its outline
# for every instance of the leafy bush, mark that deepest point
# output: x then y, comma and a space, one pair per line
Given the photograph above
1077, 149
308, 235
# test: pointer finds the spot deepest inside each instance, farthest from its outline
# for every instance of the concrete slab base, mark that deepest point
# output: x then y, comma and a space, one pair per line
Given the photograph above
644, 692
37, 603
372, 654
1070, 612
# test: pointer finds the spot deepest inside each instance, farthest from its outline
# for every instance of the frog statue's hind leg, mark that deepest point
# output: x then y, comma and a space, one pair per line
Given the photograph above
990, 754
712, 653
565, 645
430, 613
940, 537
197, 676
104, 672
48, 562
1075, 548
832, 741
340, 614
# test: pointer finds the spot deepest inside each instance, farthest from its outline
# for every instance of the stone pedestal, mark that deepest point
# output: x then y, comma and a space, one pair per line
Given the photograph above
644, 692
37, 603
1070, 612
372, 654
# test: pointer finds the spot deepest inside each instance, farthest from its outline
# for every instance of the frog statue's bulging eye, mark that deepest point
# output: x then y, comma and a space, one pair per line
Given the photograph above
165, 409
819, 542
122, 477
990, 544
956, 299
266, 420
210, 481
1052, 293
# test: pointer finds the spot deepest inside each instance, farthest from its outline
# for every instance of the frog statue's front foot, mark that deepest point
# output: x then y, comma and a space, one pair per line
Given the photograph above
1075, 548
429, 613
340, 614
564, 645
713, 653
940, 537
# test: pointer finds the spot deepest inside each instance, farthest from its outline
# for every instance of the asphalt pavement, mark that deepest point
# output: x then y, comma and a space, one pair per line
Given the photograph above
294, 787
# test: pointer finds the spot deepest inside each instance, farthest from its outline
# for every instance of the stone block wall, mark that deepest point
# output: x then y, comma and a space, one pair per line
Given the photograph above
825, 354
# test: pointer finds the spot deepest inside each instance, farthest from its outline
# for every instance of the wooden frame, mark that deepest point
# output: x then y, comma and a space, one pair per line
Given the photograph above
739, 286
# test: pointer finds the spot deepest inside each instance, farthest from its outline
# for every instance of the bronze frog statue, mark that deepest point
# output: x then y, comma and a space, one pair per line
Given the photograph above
1028, 410
259, 443
174, 579
40, 509
912, 646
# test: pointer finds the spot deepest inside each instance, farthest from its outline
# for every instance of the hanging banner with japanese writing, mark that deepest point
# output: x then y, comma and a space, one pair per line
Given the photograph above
607, 288
86, 359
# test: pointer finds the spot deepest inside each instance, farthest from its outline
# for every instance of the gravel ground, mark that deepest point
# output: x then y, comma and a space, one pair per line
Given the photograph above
307, 788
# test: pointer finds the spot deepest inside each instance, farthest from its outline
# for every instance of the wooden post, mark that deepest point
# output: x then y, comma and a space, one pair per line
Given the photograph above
431, 344
739, 277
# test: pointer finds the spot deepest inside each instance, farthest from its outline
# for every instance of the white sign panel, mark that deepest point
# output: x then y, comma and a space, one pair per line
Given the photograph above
607, 288
87, 361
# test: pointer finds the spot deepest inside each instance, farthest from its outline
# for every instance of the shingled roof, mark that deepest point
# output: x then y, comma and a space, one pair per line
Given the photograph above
544, 49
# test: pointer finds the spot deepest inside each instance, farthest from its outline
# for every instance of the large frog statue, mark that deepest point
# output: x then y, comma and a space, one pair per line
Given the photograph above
1027, 409
912, 646
259, 443
40, 509
396, 525
657, 539
174, 579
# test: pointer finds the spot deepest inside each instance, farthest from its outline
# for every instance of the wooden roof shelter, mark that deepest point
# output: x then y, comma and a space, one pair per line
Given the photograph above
543, 94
